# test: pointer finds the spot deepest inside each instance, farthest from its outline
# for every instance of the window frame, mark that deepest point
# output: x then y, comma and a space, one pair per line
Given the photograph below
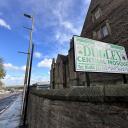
97, 14
100, 34
96, 10
104, 31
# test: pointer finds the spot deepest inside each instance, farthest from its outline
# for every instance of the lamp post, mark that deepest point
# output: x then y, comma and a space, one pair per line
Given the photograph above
29, 51
28, 71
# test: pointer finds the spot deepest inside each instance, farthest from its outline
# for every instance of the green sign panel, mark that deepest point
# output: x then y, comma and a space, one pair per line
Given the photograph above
96, 56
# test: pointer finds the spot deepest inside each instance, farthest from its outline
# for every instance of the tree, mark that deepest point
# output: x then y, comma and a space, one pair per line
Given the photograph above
2, 70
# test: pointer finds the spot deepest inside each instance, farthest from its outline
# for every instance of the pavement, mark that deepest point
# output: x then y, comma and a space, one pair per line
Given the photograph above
11, 118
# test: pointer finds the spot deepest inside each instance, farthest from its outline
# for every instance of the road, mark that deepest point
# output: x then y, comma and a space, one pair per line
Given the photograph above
11, 117
6, 102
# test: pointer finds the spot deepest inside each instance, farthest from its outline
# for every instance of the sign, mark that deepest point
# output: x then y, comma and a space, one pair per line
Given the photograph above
96, 56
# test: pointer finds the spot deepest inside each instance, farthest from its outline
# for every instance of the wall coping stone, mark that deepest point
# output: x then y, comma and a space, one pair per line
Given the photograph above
109, 93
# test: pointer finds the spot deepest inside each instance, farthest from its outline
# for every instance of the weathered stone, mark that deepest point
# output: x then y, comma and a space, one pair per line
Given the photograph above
114, 15
49, 111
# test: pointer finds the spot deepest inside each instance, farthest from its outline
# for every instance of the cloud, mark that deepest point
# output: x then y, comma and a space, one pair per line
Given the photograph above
62, 37
39, 78
66, 26
65, 23
45, 63
9, 66
4, 24
18, 79
23, 68
69, 25
37, 55
13, 80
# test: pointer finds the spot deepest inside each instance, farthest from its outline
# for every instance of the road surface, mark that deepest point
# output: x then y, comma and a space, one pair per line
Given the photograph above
11, 116
7, 101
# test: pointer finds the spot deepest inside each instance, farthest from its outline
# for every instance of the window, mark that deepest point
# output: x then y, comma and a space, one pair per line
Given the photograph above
105, 31
96, 14
102, 32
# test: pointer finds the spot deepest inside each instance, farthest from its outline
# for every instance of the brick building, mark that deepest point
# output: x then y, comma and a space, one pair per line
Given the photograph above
107, 21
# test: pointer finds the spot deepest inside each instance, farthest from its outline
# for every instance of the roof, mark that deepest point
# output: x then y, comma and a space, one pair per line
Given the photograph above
62, 57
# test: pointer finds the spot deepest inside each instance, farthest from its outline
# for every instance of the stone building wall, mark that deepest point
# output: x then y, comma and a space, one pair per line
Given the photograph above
59, 71
63, 70
82, 79
114, 15
67, 73
73, 76
52, 74
114, 12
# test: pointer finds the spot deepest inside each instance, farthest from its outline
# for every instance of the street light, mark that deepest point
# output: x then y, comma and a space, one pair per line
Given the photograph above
28, 71
29, 16
29, 59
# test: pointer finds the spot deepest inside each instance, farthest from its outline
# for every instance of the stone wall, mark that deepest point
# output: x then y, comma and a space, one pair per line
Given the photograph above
78, 108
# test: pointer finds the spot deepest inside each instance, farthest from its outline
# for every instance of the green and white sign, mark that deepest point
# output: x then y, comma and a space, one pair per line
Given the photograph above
96, 56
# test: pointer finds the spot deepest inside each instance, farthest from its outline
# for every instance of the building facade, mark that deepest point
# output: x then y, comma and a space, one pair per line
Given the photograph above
107, 21
58, 73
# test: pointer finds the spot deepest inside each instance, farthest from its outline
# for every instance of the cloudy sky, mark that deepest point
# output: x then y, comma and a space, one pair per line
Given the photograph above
56, 21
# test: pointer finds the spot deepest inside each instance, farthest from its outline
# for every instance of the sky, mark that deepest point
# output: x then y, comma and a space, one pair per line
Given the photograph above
55, 22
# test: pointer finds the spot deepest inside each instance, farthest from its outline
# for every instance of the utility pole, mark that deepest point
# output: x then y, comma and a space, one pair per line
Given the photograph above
28, 87
28, 71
